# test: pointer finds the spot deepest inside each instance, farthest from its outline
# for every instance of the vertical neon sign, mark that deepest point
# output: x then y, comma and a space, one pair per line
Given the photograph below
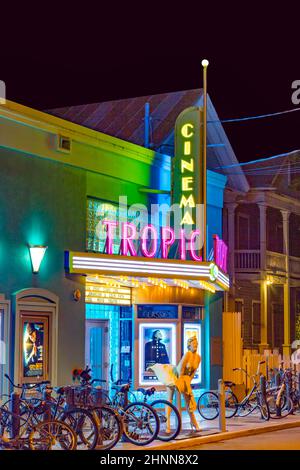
187, 179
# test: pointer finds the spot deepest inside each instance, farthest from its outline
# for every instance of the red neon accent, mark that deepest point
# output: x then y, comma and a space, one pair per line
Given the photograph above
220, 253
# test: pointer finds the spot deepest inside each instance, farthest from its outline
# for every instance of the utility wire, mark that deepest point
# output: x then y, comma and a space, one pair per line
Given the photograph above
247, 118
259, 160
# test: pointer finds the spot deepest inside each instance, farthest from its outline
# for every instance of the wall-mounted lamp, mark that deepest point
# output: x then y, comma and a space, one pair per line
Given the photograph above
37, 253
269, 281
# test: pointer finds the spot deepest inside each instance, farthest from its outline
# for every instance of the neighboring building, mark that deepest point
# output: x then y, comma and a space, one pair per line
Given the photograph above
262, 228
59, 180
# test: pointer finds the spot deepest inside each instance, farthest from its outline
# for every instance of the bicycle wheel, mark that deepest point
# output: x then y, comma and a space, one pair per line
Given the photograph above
169, 419
109, 426
52, 435
208, 405
285, 406
231, 403
85, 427
140, 423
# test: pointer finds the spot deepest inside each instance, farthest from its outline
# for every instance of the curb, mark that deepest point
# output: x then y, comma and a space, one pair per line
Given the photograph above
222, 436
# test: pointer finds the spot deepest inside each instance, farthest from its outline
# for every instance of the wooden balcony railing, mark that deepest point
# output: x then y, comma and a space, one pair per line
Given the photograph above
247, 259
275, 261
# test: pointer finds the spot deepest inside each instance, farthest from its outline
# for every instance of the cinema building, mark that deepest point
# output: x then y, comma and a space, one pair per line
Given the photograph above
76, 289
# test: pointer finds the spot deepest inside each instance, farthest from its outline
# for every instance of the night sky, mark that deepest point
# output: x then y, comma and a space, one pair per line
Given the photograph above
56, 59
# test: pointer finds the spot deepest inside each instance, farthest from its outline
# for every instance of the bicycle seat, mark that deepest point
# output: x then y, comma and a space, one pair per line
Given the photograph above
147, 391
122, 387
59, 390
229, 383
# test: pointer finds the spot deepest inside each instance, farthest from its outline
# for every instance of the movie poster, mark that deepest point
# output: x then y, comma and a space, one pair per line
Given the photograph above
33, 357
190, 330
157, 346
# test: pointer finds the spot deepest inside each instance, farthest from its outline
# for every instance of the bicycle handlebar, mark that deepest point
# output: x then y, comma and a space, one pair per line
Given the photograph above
24, 386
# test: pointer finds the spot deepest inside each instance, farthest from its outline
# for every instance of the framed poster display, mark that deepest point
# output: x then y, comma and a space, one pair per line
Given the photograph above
34, 340
157, 344
190, 330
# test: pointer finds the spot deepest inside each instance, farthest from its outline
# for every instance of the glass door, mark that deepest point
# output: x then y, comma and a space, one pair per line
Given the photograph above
97, 348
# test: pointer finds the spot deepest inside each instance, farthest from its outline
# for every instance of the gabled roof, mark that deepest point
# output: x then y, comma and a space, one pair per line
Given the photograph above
125, 119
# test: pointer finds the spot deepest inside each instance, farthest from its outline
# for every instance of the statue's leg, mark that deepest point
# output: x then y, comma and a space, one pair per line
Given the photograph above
170, 395
193, 420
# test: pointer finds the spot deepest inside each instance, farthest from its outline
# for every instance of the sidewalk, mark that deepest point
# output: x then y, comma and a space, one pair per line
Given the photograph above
235, 427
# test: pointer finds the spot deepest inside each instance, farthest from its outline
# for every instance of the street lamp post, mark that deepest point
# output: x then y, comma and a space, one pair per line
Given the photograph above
204, 64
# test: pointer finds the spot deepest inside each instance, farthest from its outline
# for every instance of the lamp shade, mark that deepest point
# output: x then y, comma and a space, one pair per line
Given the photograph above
37, 253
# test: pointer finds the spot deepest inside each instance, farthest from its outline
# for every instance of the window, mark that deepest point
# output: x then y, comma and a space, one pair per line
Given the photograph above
243, 231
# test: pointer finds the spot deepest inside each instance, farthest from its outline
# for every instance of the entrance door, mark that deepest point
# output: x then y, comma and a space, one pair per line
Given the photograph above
97, 348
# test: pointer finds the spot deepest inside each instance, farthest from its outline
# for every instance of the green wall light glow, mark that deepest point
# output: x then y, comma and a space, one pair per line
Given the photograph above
37, 253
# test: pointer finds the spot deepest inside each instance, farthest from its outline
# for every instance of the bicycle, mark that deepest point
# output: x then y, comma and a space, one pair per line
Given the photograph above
17, 432
168, 414
255, 399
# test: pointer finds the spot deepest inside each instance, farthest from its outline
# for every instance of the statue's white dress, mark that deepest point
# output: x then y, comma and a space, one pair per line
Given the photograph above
175, 376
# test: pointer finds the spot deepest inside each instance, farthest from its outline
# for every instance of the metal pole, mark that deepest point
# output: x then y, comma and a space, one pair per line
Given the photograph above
221, 396
15, 409
147, 125
204, 65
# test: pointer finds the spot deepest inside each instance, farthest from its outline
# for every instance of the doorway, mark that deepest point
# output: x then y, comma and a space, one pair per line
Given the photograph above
97, 348
277, 325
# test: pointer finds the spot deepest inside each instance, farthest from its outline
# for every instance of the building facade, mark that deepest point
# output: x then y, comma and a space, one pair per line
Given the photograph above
59, 181
262, 230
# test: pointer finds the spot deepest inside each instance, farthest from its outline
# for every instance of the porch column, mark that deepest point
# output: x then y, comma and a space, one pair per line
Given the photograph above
231, 239
286, 288
263, 284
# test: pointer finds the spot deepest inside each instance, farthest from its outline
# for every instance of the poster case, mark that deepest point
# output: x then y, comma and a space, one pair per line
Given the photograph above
191, 330
157, 343
34, 340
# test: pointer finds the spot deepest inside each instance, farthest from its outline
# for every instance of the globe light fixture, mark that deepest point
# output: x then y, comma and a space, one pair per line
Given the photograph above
204, 63
37, 253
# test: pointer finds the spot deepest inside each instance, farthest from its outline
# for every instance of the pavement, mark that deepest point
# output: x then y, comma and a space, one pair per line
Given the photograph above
236, 427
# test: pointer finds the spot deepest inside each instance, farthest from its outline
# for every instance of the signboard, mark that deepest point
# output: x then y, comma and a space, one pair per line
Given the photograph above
157, 311
107, 294
188, 180
192, 313
157, 345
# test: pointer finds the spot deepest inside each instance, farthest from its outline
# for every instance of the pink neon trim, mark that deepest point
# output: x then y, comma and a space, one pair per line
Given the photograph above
110, 224
166, 241
220, 253
182, 245
144, 237
126, 240
192, 241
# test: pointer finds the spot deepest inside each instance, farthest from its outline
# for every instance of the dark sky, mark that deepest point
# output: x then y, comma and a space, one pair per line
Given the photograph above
54, 58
